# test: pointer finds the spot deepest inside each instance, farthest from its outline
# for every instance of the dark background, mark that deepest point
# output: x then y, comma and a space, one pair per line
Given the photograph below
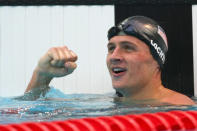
177, 23
175, 16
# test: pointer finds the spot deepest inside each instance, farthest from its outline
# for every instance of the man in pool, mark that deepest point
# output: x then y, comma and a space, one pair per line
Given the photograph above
136, 54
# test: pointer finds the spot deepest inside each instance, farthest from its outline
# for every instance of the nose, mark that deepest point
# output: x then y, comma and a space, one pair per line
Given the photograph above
116, 56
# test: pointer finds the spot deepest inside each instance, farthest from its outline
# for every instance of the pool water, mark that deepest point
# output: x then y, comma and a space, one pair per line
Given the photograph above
58, 106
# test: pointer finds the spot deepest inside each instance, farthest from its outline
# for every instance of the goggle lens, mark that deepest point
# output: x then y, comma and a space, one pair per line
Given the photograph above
126, 28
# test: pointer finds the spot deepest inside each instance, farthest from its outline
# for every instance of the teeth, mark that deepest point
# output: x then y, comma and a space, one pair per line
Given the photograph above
118, 69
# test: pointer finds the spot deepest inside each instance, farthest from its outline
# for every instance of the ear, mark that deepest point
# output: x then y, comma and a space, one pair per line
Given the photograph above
157, 66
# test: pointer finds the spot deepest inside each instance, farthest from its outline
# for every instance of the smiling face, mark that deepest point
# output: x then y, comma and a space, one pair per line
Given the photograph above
130, 64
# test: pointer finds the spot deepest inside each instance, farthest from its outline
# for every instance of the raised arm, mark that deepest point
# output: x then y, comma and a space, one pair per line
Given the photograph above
57, 62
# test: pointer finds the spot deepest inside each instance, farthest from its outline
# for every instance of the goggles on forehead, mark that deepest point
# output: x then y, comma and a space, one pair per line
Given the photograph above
126, 28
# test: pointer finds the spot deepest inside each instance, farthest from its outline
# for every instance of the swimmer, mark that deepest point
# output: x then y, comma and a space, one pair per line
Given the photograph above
137, 51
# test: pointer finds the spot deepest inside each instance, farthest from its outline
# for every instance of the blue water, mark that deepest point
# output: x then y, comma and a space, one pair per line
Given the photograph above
58, 106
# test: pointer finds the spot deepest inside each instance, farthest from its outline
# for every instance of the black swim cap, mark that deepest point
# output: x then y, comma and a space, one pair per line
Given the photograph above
146, 30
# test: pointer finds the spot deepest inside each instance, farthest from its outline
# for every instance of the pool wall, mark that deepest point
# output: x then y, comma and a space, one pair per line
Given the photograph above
27, 32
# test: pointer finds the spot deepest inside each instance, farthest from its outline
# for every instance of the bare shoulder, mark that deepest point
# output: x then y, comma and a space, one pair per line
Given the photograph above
176, 98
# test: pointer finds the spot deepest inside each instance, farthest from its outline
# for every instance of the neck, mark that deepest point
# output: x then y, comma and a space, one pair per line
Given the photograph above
147, 93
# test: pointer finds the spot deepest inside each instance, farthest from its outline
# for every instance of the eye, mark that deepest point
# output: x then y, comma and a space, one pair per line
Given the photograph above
111, 48
129, 47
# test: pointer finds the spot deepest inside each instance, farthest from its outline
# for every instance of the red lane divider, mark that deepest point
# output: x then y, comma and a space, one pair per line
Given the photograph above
161, 121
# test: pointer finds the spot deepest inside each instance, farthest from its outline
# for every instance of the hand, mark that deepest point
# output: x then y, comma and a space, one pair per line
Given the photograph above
57, 62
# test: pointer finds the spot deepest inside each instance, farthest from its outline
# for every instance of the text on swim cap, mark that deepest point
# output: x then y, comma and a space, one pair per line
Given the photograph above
159, 51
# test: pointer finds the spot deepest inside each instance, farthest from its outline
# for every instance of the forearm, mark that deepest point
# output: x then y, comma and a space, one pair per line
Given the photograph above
38, 81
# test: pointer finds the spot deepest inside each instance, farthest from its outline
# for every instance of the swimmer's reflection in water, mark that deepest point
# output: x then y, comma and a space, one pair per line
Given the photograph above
137, 50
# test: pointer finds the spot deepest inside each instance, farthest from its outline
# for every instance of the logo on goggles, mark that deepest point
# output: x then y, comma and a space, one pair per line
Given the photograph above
159, 51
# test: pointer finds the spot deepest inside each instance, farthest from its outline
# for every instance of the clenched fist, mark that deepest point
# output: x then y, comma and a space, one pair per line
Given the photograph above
57, 62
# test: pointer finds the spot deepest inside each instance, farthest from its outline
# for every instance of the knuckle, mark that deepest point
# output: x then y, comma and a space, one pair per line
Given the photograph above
74, 56
52, 49
65, 47
71, 52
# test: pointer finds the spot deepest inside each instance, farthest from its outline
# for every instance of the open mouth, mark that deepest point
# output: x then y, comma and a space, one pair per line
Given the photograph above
118, 70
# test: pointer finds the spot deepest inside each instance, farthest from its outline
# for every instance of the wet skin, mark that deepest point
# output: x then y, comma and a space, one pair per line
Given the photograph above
134, 72
130, 64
